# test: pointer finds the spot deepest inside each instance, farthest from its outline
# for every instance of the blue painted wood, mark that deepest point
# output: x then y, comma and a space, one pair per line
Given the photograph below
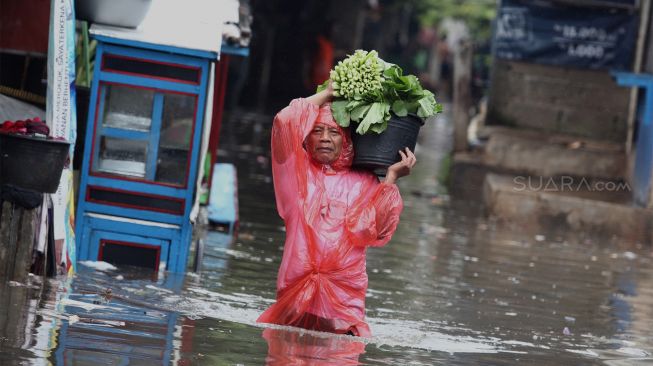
124, 134
97, 126
82, 250
632, 79
186, 233
223, 201
197, 137
153, 146
159, 47
175, 249
145, 187
167, 238
134, 213
644, 143
180, 257
149, 83
233, 50
178, 239
637, 80
150, 55
81, 240
98, 235
174, 281
169, 234
94, 246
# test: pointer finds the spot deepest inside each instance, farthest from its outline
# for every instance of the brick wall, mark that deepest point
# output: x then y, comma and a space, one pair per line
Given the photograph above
582, 103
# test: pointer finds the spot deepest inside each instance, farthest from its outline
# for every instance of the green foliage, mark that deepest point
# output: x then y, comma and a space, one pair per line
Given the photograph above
367, 89
84, 56
80, 73
477, 14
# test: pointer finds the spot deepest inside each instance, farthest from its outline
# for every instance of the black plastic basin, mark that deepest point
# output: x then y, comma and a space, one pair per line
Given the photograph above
32, 163
378, 151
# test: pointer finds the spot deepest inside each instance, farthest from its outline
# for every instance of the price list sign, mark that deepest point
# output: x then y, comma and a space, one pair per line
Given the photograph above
583, 37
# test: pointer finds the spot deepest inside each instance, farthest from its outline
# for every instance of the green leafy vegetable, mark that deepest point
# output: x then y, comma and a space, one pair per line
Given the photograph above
366, 89
399, 108
340, 112
357, 77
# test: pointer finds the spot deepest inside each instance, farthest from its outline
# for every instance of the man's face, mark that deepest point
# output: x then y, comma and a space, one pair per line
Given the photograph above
324, 143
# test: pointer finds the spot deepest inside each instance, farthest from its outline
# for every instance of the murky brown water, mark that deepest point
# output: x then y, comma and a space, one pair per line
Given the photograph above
450, 289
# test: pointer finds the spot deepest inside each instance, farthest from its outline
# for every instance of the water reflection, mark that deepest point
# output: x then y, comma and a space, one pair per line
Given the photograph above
292, 347
17, 320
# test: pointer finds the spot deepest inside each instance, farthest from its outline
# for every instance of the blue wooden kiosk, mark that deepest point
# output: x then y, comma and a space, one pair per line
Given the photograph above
143, 145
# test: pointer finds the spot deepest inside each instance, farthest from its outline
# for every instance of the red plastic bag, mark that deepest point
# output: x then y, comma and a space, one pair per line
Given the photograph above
332, 215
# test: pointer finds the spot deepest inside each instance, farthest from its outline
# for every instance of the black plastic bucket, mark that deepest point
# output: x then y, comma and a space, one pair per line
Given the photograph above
378, 151
32, 163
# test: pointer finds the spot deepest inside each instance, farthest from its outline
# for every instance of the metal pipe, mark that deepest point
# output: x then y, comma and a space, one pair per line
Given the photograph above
645, 7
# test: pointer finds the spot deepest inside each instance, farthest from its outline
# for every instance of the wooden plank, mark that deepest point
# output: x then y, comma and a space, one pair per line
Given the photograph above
17, 315
25, 243
17, 231
6, 245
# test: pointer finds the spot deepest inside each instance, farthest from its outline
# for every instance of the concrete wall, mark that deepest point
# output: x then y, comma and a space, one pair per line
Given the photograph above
582, 103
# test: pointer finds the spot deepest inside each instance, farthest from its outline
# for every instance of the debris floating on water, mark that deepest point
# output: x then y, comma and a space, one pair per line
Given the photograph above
630, 255
100, 266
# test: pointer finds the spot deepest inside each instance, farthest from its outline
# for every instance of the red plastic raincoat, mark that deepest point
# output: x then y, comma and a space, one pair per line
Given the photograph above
332, 215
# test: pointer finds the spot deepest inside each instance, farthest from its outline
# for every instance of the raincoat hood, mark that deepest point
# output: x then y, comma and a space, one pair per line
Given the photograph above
346, 156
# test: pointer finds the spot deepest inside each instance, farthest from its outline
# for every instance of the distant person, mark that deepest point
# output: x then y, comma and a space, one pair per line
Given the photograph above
322, 60
332, 214
321, 57
446, 68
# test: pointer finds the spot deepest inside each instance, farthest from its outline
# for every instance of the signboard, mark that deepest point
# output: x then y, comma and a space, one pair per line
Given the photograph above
592, 37
632, 3
61, 117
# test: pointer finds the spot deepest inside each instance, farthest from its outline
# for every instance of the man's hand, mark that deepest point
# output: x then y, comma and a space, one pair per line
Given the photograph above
322, 97
401, 168
329, 89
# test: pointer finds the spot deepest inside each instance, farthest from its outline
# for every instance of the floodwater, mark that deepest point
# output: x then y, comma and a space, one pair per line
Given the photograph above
451, 288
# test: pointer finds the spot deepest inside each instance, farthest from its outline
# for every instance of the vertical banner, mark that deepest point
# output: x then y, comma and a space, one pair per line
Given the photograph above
61, 117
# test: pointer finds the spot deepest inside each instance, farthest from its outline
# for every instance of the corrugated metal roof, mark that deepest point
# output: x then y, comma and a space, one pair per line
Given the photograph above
13, 109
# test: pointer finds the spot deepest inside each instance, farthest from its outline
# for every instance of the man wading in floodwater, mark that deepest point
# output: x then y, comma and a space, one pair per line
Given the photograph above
332, 214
